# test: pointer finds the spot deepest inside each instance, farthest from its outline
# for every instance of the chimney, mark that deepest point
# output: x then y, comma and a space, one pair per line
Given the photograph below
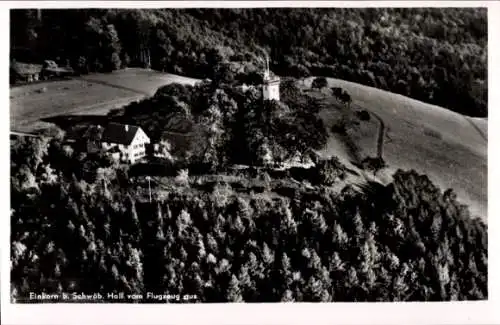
126, 127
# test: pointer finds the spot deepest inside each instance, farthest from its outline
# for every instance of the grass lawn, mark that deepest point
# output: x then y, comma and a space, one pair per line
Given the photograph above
442, 144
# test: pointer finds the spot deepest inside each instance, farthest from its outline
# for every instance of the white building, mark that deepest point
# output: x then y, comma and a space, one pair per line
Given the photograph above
271, 85
125, 142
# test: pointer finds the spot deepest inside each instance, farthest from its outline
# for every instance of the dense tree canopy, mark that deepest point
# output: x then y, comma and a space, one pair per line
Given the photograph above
406, 241
431, 54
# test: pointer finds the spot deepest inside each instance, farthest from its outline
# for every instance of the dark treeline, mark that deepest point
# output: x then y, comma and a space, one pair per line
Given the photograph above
435, 55
406, 241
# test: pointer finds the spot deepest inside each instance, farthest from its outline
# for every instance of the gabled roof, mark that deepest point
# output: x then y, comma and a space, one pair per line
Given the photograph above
119, 133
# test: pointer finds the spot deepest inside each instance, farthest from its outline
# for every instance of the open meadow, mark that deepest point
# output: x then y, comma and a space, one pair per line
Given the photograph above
91, 94
447, 146
138, 80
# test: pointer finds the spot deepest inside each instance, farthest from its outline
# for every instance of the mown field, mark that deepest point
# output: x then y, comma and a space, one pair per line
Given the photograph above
138, 80
91, 94
449, 147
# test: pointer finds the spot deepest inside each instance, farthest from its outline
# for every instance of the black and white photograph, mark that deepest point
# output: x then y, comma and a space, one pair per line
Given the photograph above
248, 154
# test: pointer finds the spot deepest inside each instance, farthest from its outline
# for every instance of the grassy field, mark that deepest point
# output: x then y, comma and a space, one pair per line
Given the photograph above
138, 80
92, 94
449, 147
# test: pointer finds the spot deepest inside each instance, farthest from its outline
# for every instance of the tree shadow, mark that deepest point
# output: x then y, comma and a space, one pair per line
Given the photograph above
75, 126
67, 122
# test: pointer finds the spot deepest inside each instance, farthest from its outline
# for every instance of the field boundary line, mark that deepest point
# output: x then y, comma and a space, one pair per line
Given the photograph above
105, 83
381, 133
485, 138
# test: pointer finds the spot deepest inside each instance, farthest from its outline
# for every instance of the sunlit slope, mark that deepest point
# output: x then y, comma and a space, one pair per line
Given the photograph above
450, 148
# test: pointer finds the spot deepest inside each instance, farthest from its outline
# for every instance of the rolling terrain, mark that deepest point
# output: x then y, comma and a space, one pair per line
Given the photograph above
90, 94
447, 146
350, 194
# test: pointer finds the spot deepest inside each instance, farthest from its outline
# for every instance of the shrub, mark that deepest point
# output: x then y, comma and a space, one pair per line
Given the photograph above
432, 133
340, 127
329, 171
221, 194
182, 177
319, 83
116, 62
363, 115
125, 60
373, 164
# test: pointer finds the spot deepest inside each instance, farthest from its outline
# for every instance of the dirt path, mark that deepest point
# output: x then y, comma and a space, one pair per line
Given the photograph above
23, 134
381, 134
345, 141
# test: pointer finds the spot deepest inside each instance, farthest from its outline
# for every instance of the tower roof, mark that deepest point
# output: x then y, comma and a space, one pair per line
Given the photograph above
270, 77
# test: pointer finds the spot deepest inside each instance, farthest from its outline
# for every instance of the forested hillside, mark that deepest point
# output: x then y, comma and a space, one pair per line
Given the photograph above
434, 55
407, 241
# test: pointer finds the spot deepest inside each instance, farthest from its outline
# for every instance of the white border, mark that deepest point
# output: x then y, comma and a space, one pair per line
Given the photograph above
354, 313
239, 4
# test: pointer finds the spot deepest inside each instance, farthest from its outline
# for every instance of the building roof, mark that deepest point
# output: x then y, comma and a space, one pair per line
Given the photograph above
119, 133
269, 77
24, 69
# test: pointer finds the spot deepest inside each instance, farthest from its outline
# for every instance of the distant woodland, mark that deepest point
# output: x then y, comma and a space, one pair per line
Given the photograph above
434, 55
